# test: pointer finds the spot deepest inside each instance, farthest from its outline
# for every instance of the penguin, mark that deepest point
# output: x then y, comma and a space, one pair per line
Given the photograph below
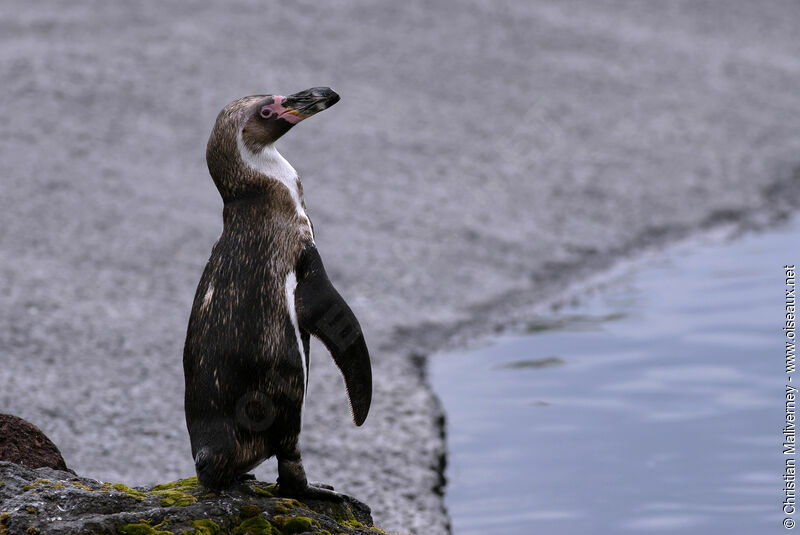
262, 295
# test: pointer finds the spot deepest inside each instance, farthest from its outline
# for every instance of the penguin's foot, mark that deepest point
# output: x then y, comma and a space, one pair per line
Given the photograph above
311, 492
321, 485
292, 481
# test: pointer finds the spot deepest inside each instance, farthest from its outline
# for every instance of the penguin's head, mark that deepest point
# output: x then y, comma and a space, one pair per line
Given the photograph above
249, 125
271, 116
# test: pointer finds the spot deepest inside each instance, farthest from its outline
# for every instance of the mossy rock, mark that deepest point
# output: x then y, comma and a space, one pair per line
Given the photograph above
344, 514
249, 510
265, 490
178, 507
183, 485
177, 493
141, 529
206, 527
170, 498
298, 524
36, 484
256, 525
79, 485
119, 487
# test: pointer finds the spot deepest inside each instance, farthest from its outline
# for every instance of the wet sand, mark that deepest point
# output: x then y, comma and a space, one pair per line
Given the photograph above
483, 157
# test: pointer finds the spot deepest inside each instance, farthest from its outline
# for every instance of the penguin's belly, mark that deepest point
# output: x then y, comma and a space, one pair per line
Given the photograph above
243, 364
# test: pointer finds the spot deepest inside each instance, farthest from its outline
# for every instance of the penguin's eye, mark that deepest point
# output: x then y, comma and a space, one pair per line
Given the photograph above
267, 112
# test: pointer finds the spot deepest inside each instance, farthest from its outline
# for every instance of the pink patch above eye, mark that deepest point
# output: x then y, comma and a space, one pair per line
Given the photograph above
277, 108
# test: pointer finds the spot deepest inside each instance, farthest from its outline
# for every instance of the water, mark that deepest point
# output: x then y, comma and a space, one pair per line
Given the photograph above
655, 405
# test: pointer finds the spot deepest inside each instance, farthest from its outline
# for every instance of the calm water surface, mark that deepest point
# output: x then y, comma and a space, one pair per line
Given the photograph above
654, 406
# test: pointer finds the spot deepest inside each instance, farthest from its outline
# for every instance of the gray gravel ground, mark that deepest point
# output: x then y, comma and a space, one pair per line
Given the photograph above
484, 155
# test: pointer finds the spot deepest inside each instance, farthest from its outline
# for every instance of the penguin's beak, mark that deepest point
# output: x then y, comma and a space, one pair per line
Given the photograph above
306, 103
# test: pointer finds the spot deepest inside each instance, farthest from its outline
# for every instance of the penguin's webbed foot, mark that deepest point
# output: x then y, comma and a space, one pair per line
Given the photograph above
312, 492
292, 481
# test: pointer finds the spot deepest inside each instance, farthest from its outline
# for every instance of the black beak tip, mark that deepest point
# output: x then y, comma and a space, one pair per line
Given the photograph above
334, 98
330, 96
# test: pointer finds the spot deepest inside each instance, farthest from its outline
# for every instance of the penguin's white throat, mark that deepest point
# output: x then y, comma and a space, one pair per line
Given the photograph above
269, 163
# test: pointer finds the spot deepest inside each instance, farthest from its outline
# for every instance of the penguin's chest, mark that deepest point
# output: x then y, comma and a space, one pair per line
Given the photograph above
252, 316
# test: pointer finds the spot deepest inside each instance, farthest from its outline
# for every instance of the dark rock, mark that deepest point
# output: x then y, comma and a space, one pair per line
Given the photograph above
23, 443
49, 501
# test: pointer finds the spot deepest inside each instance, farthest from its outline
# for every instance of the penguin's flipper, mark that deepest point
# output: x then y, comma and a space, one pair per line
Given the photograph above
322, 312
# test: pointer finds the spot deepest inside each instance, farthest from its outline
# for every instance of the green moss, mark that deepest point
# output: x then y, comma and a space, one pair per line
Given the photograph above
119, 487
176, 493
256, 525
343, 514
140, 529
206, 527
36, 484
183, 485
352, 524
58, 486
280, 510
247, 511
285, 505
32, 510
32, 530
295, 524
170, 498
266, 490
81, 486
299, 524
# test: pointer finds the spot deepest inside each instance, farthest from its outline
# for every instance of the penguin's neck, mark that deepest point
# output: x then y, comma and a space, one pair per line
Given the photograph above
269, 163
